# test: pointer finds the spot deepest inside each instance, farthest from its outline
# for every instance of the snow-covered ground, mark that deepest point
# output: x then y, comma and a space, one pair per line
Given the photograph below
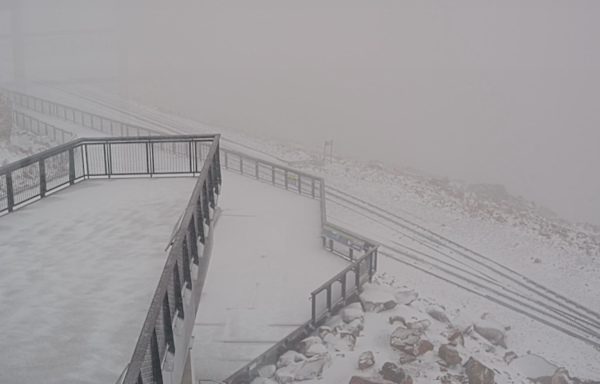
22, 144
267, 259
79, 269
484, 218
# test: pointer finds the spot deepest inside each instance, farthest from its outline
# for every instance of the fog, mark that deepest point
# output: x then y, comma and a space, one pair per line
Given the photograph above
503, 92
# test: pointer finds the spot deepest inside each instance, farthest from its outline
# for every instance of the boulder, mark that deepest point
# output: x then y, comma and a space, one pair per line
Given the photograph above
340, 341
449, 354
369, 380
376, 300
400, 319
420, 325
267, 371
491, 331
334, 321
305, 344
323, 330
406, 297
405, 358
315, 349
307, 369
478, 373
350, 314
422, 347
287, 373
355, 327
288, 358
395, 374
437, 313
405, 339
509, 357
366, 360
456, 338
311, 368
533, 367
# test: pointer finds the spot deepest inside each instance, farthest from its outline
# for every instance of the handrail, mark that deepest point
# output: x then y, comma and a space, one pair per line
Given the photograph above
370, 256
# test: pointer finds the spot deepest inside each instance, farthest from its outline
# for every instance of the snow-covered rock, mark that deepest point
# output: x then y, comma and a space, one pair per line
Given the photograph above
315, 349
449, 354
406, 297
340, 341
305, 344
267, 371
311, 368
533, 366
289, 358
350, 314
437, 313
376, 300
478, 373
491, 331
405, 339
394, 373
366, 360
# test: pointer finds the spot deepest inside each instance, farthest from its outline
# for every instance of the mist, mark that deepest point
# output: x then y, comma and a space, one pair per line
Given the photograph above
501, 93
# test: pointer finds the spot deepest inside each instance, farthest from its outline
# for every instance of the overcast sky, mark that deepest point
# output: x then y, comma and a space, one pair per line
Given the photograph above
504, 92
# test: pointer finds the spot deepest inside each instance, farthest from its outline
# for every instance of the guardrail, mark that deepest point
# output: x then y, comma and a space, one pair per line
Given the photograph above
90, 120
38, 127
162, 349
326, 299
36, 176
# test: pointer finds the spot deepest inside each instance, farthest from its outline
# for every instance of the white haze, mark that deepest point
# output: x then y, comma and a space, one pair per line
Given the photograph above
503, 92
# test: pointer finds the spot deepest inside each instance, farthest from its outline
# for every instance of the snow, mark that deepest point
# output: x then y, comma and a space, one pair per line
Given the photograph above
79, 269
533, 366
508, 230
267, 259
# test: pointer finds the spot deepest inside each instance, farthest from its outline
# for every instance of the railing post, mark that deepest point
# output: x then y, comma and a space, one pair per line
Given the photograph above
331, 245
351, 253
357, 276
371, 268
329, 299
156, 368
343, 281
314, 308
71, 166
9, 192
42, 167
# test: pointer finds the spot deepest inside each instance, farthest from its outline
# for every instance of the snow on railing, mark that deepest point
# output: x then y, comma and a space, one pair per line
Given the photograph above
40, 128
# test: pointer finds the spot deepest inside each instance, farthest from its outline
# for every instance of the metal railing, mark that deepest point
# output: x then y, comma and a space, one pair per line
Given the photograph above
86, 119
162, 349
325, 300
38, 127
36, 176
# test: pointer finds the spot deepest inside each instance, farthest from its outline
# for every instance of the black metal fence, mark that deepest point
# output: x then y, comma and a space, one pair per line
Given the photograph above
38, 127
36, 176
90, 120
277, 175
162, 349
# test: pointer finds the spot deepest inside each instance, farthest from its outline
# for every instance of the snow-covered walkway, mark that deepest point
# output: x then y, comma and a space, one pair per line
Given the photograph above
267, 259
79, 269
